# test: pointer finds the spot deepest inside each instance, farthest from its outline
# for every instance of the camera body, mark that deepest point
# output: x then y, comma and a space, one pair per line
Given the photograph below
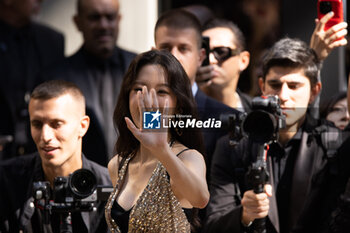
325, 6
41, 190
75, 192
233, 124
266, 119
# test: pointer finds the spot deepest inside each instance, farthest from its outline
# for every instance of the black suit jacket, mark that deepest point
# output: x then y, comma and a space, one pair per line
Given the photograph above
24, 53
76, 69
210, 108
246, 101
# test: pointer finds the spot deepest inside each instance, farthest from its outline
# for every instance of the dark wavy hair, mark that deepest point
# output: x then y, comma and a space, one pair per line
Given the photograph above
292, 53
179, 84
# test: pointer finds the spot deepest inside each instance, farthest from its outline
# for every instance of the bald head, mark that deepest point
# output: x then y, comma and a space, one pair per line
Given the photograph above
98, 21
82, 4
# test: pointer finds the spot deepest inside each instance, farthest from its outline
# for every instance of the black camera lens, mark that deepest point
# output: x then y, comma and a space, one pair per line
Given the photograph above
325, 7
82, 183
260, 126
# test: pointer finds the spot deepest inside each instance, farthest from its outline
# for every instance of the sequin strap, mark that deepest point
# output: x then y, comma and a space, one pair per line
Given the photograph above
110, 221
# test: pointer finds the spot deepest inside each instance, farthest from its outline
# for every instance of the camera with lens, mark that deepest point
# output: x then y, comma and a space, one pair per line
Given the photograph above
261, 126
266, 119
77, 186
75, 192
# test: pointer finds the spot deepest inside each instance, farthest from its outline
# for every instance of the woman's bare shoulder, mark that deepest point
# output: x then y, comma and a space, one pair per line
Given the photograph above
113, 168
114, 162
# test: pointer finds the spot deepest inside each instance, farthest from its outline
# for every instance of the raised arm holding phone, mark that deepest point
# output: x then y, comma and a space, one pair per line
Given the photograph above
330, 30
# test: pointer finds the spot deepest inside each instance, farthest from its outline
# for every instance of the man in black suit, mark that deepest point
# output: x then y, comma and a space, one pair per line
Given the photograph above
179, 32
97, 68
26, 48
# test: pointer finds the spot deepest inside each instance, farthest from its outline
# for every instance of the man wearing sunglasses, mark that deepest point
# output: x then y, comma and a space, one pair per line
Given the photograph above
228, 59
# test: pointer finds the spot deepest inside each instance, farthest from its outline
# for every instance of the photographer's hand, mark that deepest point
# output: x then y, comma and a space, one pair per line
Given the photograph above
323, 42
254, 205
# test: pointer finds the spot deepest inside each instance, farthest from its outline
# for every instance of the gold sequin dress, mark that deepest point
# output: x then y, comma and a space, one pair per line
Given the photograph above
156, 210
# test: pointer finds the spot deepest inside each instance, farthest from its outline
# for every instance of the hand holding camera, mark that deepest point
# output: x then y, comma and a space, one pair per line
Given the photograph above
255, 205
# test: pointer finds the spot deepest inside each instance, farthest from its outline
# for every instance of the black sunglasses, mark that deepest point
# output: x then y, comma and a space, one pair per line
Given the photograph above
223, 53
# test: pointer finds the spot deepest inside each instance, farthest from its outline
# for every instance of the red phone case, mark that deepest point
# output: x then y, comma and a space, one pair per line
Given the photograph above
324, 6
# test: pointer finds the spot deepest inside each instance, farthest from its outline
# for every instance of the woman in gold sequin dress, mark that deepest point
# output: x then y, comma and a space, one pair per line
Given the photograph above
158, 174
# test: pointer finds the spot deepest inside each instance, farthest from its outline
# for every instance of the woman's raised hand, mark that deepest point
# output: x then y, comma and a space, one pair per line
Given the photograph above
152, 139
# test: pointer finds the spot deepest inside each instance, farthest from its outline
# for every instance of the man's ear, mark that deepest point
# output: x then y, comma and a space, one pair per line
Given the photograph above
315, 91
84, 125
201, 56
262, 85
244, 58
76, 20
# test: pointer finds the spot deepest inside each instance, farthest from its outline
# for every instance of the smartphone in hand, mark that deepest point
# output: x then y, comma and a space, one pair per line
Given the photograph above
325, 6
206, 46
